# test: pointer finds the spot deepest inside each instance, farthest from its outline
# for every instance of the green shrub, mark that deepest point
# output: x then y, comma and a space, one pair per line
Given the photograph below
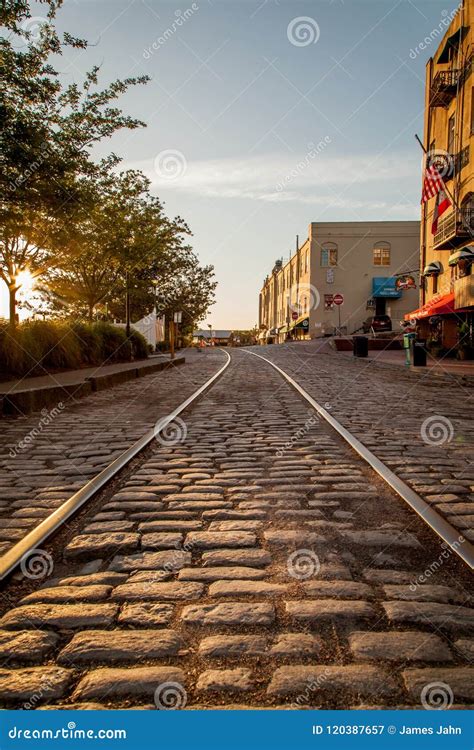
34, 347
89, 342
114, 346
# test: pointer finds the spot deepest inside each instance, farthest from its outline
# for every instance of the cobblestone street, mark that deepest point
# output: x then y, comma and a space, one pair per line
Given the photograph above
250, 558
80, 439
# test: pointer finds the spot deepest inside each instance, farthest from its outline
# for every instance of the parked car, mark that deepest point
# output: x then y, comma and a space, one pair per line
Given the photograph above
377, 323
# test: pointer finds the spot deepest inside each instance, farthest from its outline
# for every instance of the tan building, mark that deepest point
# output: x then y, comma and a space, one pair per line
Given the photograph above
362, 261
446, 305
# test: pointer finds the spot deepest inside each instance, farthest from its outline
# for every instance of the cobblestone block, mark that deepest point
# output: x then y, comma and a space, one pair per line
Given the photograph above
444, 616
398, 647
34, 685
118, 646
233, 645
218, 573
246, 557
134, 682
324, 610
459, 679
99, 545
314, 681
63, 594
225, 681
229, 613
145, 614
60, 616
246, 588
26, 646
337, 589
158, 591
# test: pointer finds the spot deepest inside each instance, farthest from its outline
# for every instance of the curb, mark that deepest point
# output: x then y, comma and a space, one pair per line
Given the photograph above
19, 403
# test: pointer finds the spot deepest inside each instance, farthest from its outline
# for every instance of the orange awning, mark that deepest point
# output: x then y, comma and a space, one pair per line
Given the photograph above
439, 306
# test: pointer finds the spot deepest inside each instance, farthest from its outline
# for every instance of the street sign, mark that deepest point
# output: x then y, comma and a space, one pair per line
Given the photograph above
338, 299
294, 315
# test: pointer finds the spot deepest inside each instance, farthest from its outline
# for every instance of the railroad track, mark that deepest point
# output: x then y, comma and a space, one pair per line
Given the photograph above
262, 559
448, 534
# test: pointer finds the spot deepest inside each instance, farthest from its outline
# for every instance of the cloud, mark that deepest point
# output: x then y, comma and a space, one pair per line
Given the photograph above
316, 178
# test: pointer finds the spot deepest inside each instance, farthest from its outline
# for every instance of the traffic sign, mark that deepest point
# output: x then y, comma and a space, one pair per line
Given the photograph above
338, 299
294, 315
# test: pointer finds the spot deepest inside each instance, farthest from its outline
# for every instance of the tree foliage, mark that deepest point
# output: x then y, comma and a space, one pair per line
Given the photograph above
89, 232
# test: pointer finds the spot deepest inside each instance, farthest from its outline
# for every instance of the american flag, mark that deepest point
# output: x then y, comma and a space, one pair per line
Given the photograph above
433, 183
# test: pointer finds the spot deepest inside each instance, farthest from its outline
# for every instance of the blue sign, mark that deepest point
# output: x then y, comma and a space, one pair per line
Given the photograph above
383, 286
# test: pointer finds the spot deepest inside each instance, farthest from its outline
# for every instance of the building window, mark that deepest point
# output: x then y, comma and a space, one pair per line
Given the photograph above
451, 134
435, 283
472, 109
305, 305
329, 255
382, 254
306, 262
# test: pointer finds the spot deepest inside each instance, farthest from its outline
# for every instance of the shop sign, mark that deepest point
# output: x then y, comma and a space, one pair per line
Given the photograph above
328, 301
405, 282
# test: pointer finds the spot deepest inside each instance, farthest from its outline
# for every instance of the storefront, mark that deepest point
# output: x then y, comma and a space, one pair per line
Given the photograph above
299, 330
383, 289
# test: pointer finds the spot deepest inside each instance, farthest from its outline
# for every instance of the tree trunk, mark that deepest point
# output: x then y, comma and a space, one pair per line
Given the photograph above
90, 314
12, 296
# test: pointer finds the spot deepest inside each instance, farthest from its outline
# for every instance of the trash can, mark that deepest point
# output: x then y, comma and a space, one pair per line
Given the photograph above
418, 353
361, 346
407, 338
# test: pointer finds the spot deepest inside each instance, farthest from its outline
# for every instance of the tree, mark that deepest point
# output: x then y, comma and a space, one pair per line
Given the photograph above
121, 241
46, 135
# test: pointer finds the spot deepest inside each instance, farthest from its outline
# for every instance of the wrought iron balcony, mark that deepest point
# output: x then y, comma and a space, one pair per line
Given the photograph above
444, 87
454, 229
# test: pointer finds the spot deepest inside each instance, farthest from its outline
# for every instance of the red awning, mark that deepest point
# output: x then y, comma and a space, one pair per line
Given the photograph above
441, 306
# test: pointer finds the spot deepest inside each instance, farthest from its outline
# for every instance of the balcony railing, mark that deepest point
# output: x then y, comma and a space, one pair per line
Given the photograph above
454, 229
444, 87
449, 164
464, 292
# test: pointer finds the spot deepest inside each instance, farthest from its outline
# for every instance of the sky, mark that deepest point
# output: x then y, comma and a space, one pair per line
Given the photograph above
264, 116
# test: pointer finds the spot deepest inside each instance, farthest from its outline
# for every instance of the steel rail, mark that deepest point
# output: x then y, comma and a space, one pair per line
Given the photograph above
453, 537
11, 558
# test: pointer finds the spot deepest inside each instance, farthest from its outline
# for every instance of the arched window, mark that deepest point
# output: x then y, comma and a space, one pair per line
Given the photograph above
381, 254
328, 254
